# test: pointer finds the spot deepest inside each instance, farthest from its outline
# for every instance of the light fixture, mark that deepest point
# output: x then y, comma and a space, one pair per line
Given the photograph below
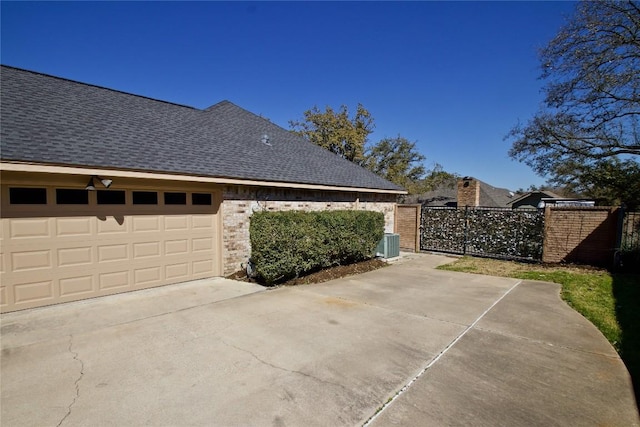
90, 186
105, 181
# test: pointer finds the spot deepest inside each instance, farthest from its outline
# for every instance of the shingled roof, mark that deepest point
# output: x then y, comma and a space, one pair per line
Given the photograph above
55, 121
446, 194
491, 196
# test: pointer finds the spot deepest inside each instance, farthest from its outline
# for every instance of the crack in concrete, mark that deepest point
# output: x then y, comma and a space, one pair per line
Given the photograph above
76, 383
437, 357
304, 374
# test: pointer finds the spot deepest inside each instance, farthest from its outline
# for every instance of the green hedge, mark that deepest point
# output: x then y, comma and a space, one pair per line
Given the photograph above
288, 244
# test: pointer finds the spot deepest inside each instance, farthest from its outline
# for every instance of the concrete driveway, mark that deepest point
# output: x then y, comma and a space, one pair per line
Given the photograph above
404, 345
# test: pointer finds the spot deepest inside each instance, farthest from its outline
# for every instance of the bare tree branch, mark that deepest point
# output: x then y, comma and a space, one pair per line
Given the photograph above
592, 102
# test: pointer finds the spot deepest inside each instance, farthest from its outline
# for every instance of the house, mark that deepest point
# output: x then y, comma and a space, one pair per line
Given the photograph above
473, 192
531, 200
540, 199
461, 192
105, 192
445, 194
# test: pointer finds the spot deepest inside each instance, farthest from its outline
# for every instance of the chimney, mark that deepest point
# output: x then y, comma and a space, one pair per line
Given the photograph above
468, 192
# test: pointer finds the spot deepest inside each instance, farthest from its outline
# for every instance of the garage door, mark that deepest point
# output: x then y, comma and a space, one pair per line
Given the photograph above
66, 244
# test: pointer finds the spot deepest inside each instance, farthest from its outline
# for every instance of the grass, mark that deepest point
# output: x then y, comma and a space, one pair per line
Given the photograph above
610, 301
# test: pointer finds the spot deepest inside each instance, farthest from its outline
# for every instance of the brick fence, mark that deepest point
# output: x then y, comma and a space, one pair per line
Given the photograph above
407, 224
580, 234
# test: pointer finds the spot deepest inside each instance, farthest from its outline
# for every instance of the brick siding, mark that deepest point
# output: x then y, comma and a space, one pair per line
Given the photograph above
239, 202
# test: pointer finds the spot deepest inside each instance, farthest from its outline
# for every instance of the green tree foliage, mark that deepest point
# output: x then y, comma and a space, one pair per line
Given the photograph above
609, 181
336, 131
438, 178
397, 160
592, 106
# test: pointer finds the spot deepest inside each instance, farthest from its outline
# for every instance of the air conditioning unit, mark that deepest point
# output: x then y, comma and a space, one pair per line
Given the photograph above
389, 246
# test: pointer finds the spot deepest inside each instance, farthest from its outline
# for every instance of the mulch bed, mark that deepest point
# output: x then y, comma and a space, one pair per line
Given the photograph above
323, 275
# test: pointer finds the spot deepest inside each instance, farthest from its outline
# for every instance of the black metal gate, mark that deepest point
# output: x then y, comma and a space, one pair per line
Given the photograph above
488, 232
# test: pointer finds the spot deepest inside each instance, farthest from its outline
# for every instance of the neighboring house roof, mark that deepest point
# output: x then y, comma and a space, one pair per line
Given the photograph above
495, 197
446, 194
443, 195
55, 121
536, 194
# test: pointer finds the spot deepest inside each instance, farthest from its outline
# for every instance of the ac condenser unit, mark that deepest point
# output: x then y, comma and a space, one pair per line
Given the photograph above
389, 246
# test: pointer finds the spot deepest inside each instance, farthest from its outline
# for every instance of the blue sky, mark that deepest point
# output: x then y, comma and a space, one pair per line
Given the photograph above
453, 76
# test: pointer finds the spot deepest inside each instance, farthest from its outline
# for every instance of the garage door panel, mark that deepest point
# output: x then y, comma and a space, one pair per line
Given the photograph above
31, 260
4, 298
75, 256
71, 286
200, 222
31, 228
146, 223
202, 268
176, 247
146, 249
110, 253
176, 223
114, 280
31, 292
110, 226
73, 227
147, 276
177, 271
200, 244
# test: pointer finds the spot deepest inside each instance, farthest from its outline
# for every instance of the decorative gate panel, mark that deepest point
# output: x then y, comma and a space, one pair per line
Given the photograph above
489, 232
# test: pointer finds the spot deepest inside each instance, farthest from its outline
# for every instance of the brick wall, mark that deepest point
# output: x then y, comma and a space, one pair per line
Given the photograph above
407, 225
239, 202
580, 234
468, 192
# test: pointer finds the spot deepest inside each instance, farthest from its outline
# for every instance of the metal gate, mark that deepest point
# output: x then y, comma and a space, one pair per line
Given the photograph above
488, 232
628, 256
630, 233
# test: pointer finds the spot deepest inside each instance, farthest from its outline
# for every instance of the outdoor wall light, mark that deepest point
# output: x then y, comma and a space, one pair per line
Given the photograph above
106, 182
91, 187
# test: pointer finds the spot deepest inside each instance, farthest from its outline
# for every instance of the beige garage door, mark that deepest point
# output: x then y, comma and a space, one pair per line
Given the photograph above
57, 248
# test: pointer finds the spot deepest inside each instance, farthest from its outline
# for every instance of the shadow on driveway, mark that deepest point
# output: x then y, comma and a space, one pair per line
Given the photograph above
626, 290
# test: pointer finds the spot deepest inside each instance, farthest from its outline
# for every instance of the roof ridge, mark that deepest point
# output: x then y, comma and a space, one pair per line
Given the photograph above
226, 102
219, 104
97, 86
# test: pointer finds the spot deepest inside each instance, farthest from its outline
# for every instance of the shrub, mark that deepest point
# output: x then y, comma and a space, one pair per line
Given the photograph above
288, 244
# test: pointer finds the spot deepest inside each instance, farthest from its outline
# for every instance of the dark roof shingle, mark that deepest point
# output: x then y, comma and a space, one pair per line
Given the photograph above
51, 120
491, 196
